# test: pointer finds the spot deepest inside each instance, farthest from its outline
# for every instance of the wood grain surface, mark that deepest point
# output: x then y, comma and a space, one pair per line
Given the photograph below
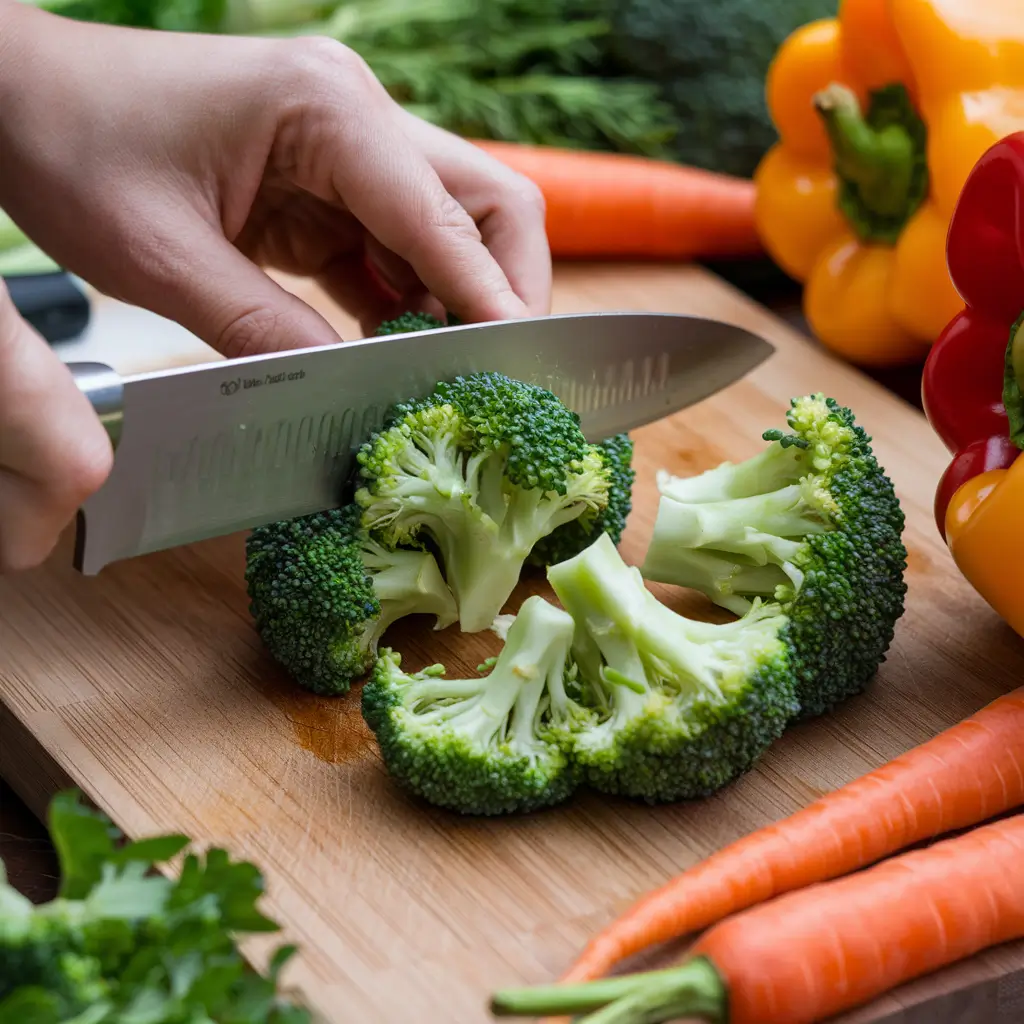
148, 688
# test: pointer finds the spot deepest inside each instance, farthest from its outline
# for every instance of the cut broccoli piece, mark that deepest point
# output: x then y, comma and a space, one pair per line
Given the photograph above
487, 746
410, 323
684, 707
322, 593
573, 537
484, 468
812, 522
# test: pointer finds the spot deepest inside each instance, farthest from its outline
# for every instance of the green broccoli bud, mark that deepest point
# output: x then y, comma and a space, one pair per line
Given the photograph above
570, 539
486, 746
323, 592
483, 468
811, 522
684, 707
409, 323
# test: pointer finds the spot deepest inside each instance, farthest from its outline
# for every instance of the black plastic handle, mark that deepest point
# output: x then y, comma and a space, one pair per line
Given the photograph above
52, 303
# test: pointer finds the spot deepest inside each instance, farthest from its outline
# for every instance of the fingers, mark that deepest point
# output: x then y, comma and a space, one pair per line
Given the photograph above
347, 137
354, 285
395, 193
54, 452
507, 208
199, 279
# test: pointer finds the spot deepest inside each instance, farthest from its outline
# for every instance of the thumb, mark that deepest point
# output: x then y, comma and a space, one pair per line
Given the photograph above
233, 305
54, 452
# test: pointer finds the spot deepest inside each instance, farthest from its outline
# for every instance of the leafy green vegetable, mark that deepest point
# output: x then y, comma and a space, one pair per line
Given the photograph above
123, 945
710, 59
520, 70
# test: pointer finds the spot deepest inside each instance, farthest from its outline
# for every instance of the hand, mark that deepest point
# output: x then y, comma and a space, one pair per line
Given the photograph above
53, 451
164, 168
167, 170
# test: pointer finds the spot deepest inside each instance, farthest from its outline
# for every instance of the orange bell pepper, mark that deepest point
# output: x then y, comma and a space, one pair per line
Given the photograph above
881, 114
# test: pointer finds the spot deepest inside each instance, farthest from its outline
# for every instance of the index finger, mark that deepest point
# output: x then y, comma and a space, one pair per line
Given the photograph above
507, 208
390, 187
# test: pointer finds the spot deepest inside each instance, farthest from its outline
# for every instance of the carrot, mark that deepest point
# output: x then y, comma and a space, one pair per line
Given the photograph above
967, 774
831, 947
615, 205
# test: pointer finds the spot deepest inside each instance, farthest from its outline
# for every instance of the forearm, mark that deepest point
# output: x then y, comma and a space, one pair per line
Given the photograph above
18, 29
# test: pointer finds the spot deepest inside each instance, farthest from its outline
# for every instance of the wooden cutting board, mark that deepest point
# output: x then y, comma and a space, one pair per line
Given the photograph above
148, 688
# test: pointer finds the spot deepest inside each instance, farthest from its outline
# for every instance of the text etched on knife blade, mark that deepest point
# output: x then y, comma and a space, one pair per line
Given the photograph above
233, 386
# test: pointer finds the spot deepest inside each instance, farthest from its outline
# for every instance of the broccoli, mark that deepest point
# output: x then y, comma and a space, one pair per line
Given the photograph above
483, 468
410, 323
811, 522
683, 707
617, 453
322, 592
571, 538
711, 61
487, 746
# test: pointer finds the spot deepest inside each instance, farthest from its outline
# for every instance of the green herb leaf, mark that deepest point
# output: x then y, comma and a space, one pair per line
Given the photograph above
84, 841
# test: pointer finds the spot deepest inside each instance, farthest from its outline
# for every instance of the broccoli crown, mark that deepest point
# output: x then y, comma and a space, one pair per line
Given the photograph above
484, 467
682, 707
812, 522
409, 323
487, 746
570, 539
322, 593
711, 60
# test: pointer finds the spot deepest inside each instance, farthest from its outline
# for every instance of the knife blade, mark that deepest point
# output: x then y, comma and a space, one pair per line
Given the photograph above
209, 450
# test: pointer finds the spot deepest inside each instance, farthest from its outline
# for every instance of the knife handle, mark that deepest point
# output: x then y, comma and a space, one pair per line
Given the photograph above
105, 390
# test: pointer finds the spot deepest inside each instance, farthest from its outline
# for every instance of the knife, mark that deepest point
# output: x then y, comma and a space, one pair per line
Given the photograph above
208, 450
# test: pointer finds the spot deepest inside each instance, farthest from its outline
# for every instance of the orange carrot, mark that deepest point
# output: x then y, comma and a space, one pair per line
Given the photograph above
615, 205
820, 951
971, 772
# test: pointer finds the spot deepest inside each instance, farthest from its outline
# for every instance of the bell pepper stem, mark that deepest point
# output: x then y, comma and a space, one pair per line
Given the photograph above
879, 162
694, 990
1013, 383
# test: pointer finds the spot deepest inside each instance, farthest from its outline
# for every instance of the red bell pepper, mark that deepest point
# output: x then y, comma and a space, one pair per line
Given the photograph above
973, 381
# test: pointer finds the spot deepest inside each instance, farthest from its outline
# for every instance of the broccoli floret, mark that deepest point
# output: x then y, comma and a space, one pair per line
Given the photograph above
684, 707
322, 592
483, 468
573, 537
492, 745
812, 522
409, 323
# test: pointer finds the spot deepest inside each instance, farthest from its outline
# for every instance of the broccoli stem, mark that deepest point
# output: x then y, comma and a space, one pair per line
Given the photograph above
733, 584
694, 990
482, 575
718, 524
624, 618
535, 654
772, 468
405, 583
